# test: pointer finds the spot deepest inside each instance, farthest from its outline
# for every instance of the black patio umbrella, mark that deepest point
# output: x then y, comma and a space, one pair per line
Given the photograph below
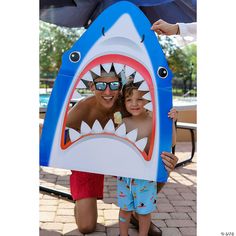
80, 13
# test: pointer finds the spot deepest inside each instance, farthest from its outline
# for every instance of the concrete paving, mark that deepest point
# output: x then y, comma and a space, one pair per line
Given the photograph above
176, 213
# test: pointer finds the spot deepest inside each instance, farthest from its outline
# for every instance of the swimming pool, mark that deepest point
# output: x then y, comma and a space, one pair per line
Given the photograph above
189, 103
43, 100
179, 103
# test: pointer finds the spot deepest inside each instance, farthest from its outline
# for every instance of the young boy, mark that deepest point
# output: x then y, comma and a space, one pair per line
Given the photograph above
136, 194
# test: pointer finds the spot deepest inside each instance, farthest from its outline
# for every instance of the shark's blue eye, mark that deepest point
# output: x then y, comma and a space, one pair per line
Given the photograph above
162, 72
75, 57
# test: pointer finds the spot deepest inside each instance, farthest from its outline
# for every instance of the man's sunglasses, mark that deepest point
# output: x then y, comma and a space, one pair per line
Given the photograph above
101, 86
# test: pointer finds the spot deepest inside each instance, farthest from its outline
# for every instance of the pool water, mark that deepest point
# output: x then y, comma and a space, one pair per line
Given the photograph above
189, 103
43, 100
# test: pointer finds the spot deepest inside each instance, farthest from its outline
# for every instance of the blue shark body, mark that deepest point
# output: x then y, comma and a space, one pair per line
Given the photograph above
120, 35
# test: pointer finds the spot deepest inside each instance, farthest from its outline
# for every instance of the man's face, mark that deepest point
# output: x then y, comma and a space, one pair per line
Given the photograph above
109, 96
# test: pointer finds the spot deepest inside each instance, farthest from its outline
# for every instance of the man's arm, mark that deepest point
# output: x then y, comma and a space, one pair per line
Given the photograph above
170, 161
75, 115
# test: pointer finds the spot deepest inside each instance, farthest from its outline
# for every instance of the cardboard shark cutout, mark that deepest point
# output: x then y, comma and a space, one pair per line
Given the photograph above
120, 38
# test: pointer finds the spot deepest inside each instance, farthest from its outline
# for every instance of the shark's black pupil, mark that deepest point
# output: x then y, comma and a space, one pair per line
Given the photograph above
162, 72
75, 56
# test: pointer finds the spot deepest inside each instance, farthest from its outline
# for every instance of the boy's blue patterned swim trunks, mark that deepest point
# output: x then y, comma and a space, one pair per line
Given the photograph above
136, 195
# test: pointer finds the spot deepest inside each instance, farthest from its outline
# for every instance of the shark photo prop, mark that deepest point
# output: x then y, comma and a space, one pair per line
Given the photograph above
119, 38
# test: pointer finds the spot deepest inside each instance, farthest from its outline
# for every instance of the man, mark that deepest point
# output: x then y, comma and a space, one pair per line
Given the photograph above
86, 188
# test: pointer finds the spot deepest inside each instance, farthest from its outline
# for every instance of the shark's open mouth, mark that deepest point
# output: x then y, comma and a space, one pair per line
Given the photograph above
110, 131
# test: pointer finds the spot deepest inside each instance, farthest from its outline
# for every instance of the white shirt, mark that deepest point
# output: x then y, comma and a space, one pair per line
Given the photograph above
187, 30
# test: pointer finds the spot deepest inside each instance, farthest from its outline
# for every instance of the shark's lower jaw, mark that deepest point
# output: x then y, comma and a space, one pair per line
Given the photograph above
109, 134
126, 141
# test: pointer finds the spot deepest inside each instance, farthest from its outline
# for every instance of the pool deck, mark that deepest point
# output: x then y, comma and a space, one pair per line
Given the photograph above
175, 216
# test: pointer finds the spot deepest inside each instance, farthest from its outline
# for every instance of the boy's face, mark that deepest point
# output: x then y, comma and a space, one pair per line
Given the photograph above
107, 97
134, 103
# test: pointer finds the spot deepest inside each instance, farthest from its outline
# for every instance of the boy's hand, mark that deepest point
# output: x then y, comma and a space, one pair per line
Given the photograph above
173, 114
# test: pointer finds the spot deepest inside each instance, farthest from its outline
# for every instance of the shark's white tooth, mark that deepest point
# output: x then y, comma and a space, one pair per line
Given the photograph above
74, 135
107, 67
141, 144
132, 135
85, 129
81, 85
143, 86
148, 106
88, 76
76, 95
109, 127
129, 70
118, 67
121, 131
138, 77
97, 70
97, 128
147, 96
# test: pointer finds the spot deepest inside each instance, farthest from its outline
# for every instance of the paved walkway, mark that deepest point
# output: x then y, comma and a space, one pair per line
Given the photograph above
176, 214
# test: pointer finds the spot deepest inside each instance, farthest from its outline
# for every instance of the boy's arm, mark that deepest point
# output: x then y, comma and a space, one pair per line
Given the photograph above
173, 114
174, 133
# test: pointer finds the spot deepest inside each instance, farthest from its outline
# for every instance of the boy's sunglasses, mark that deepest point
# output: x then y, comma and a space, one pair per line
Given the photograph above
101, 86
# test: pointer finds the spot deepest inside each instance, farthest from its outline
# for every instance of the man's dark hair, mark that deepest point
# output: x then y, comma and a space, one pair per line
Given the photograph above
112, 73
